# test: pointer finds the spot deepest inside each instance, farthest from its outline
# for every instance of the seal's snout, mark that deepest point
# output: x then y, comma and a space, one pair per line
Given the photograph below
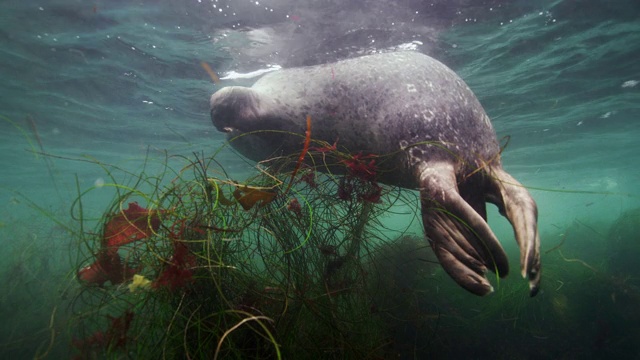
231, 107
221, 108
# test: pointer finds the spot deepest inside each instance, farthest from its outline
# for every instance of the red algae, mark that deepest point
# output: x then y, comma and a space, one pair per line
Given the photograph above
107, 267
134, 223
179, 270
360, 179
114, 337
129, 225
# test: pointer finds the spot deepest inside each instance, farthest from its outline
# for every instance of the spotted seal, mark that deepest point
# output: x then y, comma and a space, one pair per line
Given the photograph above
411, 105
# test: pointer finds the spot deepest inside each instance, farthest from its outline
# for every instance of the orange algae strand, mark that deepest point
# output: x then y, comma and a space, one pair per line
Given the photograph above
209, 71
248, 196
305, 149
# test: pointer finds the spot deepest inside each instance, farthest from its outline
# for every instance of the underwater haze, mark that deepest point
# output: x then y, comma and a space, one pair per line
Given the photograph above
89, 85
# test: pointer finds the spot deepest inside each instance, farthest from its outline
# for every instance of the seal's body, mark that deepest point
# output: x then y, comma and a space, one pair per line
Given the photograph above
414, 107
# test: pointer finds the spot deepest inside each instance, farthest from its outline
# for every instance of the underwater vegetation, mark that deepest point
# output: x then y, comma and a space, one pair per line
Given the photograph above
203, 266
191, 263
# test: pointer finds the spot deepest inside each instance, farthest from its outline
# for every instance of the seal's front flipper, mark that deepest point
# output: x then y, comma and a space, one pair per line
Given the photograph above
515, 202
460, 237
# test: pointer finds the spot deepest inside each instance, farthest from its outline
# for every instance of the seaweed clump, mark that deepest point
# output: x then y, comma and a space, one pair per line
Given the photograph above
198, 265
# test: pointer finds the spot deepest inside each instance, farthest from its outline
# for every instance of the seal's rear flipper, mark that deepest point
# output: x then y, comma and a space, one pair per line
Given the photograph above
460, 237
517, 205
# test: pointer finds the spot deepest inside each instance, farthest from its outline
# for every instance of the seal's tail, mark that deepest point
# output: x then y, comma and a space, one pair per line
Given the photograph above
517, 205
458, 231
454, 219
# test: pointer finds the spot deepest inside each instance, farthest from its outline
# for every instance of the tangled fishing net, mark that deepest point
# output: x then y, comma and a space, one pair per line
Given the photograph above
198, 265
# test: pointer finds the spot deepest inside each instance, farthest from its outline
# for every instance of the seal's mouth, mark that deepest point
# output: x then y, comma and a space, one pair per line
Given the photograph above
230, 131
225, 128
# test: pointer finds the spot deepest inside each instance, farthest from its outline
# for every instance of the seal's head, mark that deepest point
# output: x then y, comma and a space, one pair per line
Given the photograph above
234, 109
243, 115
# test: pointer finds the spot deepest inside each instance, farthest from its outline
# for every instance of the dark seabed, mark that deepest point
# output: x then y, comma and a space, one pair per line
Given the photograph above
94, 93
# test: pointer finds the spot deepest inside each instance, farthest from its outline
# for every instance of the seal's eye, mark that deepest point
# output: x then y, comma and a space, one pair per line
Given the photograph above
227, 129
